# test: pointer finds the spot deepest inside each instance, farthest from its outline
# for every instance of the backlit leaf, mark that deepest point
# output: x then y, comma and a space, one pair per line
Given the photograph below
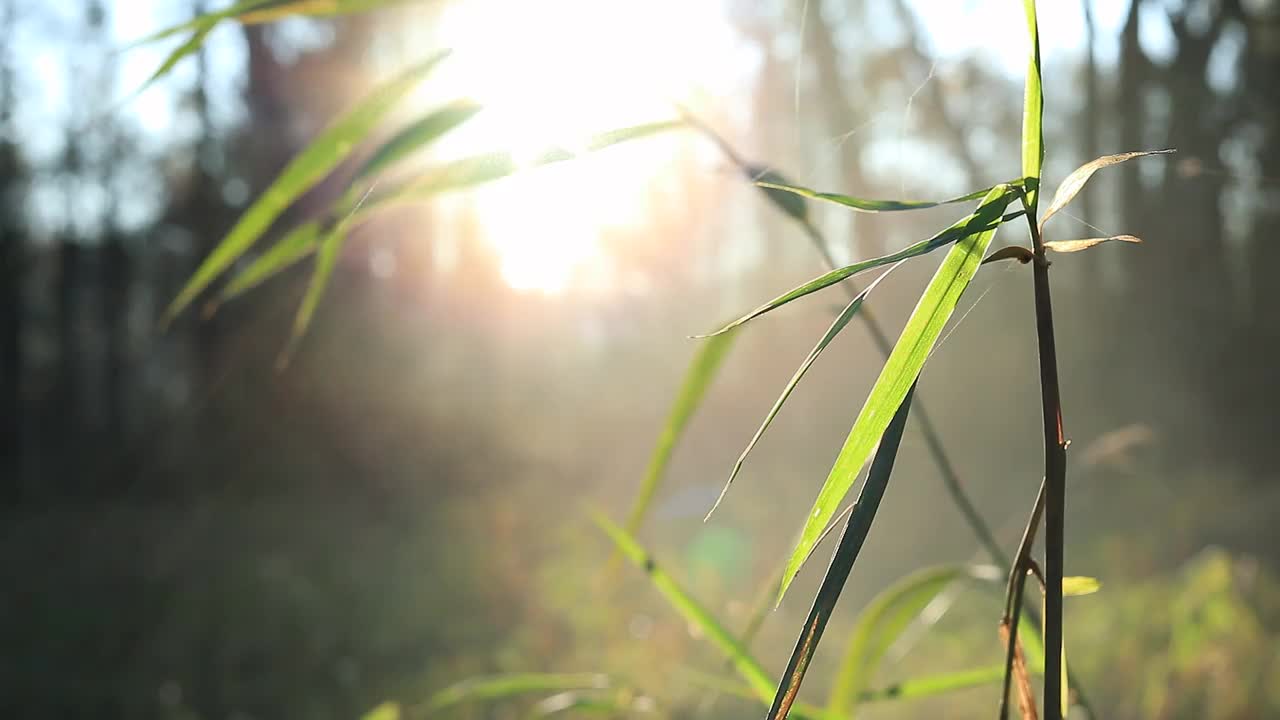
495, 687
1032, 114
1076, 180
688, 608
1070, 246
1079, 585
981, 220
902, 368
417, 136
333, 145
851, 542
385, 711
697, 378
868, 205
839, 324
878, 627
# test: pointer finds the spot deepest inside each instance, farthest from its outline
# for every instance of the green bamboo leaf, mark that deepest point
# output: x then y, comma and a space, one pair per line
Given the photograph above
609, 138
256, 12
1032, 114
775, 187
693, 613
903, 367
839, 324
210, 19
911, 689
623, 703
980, 220
417, 136
311, 8
307, 168
851, 541
385, 711
931, 685
496, 687
1070, 246
330, 246
488, 167
879, 626
288, 250
193, 43
356, 207
867, 205
697, 378
1075, 182
1073, 585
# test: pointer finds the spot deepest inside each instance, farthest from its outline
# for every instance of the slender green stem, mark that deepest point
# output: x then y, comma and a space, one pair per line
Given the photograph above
1055, 474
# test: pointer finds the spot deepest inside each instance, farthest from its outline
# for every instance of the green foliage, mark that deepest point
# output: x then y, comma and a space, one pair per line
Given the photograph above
1032, 115
416, 136
1079, 585
702, 370
878, 627
851, 542
694, 613
319, 157
495, 687
879, 426
872, 206
836, 326
981, 220
922, 330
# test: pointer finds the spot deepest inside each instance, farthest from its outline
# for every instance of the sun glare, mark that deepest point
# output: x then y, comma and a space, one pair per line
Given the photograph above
552, 73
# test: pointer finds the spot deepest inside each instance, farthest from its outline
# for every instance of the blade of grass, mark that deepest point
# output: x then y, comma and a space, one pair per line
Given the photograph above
312, 8
385, 711
911, 689
698, 377
175, 56
1075, 182
1076, 585
922, 330
293, 247
851, 542
931, 685
307, 168
256, 12
836, 326
1032, 115
879, 626
211, 18
330, 247
416, 136
981, 220
496, 687
457, 175
620, 704
868, 205
693, 613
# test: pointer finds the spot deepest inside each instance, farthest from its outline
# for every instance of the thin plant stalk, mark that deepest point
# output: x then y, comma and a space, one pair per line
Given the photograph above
1055, 474
1013, 596
933, 439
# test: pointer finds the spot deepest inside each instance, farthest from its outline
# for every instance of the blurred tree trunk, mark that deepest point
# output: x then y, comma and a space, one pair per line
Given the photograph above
12, 260
11, 327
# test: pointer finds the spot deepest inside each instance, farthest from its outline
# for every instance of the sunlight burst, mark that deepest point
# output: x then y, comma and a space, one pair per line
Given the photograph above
551, 74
